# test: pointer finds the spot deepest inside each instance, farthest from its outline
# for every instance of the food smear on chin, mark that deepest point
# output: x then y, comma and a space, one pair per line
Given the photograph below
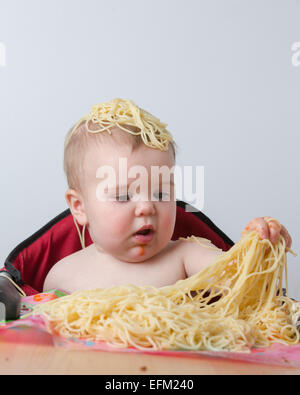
142, 250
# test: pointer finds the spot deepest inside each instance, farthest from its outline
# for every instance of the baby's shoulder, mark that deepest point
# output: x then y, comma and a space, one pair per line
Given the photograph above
200, 246
196, 240
189, 245
198, 253
65, 269
70, 260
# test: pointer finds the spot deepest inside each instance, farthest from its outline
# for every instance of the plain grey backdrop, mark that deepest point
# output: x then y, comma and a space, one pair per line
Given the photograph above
220, 73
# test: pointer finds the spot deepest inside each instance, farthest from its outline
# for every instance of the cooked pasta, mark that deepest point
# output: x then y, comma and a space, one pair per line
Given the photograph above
233, 304
122, 113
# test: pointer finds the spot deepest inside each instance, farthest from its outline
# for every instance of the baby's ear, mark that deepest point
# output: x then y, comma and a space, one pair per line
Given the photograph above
75, 202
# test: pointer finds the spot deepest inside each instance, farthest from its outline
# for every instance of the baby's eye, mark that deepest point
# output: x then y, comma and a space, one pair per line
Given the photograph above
122, 198
161, 196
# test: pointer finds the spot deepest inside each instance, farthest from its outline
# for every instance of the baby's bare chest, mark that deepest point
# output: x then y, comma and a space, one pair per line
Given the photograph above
103, 273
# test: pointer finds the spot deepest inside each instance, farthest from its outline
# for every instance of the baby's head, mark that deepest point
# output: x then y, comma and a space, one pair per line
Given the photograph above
119, 162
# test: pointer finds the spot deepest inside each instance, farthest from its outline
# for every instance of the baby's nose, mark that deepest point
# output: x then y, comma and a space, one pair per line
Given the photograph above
144, 208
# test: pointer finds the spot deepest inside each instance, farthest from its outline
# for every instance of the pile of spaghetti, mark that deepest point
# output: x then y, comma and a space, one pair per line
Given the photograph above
233, 304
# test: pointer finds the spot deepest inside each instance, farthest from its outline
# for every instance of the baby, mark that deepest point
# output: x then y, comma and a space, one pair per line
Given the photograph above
130, 219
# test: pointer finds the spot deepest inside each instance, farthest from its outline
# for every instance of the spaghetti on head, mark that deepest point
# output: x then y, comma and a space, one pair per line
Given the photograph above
140, 126
234, 304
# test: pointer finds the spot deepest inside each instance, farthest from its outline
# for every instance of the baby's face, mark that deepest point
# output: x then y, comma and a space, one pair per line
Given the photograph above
117, 209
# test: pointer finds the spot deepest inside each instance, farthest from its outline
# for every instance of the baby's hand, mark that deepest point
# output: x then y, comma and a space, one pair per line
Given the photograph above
268, 228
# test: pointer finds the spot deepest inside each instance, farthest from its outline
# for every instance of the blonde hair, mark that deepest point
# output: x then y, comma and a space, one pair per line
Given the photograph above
140, 126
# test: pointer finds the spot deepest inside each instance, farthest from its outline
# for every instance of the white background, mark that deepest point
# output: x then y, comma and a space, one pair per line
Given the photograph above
220, 73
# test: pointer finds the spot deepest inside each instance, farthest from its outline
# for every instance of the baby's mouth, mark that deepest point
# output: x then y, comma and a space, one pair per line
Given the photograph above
144, 235
143, 232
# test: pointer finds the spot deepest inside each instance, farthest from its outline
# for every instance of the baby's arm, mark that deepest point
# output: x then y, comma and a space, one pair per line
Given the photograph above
196, 256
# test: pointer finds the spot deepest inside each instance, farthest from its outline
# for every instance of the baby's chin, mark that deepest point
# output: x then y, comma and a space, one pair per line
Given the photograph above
141, 253
138, 254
